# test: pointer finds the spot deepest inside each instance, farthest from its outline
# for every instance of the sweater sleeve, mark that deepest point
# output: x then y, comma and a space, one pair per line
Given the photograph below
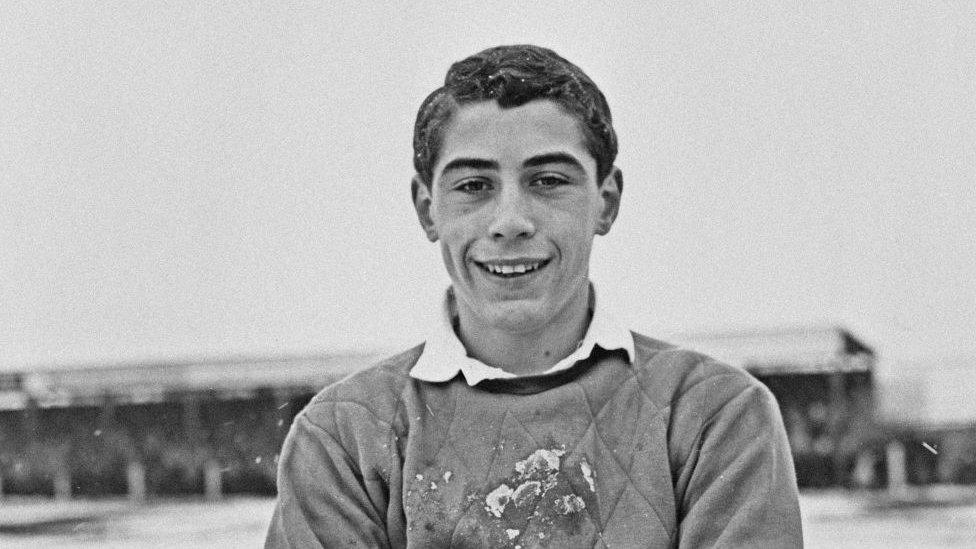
324, 499
740, 486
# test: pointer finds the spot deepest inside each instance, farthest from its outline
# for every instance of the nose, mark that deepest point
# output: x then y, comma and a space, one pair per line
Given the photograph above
513, 216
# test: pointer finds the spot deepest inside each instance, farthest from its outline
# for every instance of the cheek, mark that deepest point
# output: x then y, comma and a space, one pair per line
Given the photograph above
454, 242
458, 229
574, 214
446, 254
577, 230
575, 248
454, 216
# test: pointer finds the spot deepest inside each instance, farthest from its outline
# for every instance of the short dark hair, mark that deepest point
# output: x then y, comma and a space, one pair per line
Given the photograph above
513, 76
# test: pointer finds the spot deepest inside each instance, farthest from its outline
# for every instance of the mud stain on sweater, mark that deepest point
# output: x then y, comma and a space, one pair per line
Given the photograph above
539, 504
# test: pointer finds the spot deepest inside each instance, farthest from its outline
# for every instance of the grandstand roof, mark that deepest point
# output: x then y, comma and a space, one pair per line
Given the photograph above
148, 381
807, 349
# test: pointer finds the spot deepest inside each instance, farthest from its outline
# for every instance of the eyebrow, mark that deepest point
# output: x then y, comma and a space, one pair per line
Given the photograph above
470, 163
553, 158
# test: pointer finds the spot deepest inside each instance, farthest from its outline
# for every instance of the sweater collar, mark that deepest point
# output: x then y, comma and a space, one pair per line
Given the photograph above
444, 355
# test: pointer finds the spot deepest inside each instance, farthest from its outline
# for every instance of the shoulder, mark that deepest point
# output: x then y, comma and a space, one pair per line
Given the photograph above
370, 396
704, 398
683, 378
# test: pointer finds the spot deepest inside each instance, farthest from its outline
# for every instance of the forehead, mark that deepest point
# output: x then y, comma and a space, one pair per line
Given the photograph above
485, 130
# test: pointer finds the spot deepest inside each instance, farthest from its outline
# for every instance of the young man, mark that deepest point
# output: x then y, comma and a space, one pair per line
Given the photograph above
529, 418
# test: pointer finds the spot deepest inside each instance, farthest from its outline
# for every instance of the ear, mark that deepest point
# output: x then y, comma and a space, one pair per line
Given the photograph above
610, 190
421, 202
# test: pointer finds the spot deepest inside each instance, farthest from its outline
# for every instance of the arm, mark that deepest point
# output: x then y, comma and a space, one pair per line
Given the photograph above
739, 486
324, 499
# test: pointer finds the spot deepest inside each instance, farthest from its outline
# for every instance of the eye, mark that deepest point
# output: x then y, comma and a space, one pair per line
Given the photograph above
549, 181
472, 186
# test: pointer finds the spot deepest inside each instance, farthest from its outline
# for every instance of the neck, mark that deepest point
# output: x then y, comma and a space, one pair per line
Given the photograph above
531, 351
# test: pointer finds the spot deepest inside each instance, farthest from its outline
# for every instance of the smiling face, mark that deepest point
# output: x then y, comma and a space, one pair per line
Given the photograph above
515, 203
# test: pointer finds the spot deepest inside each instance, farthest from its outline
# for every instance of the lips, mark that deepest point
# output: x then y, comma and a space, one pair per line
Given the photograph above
511, 268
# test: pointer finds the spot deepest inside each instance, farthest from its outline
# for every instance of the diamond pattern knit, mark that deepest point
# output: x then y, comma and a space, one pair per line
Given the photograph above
674, 450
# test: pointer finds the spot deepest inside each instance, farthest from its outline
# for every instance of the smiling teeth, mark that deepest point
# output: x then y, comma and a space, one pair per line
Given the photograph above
512, 269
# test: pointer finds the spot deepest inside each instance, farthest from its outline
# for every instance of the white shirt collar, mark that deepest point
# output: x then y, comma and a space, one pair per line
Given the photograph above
444, 355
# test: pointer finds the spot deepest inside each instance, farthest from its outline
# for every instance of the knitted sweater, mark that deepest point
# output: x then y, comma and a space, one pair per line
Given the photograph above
674, 450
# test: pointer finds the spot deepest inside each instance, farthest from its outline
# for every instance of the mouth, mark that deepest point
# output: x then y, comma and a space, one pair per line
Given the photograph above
511, 269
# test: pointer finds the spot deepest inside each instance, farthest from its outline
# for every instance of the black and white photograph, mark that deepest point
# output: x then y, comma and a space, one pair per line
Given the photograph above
487, 274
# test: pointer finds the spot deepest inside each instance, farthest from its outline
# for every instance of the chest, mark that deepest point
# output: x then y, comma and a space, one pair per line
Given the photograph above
563, 475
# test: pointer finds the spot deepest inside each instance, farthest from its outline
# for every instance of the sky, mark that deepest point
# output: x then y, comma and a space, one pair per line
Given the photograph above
204, 179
